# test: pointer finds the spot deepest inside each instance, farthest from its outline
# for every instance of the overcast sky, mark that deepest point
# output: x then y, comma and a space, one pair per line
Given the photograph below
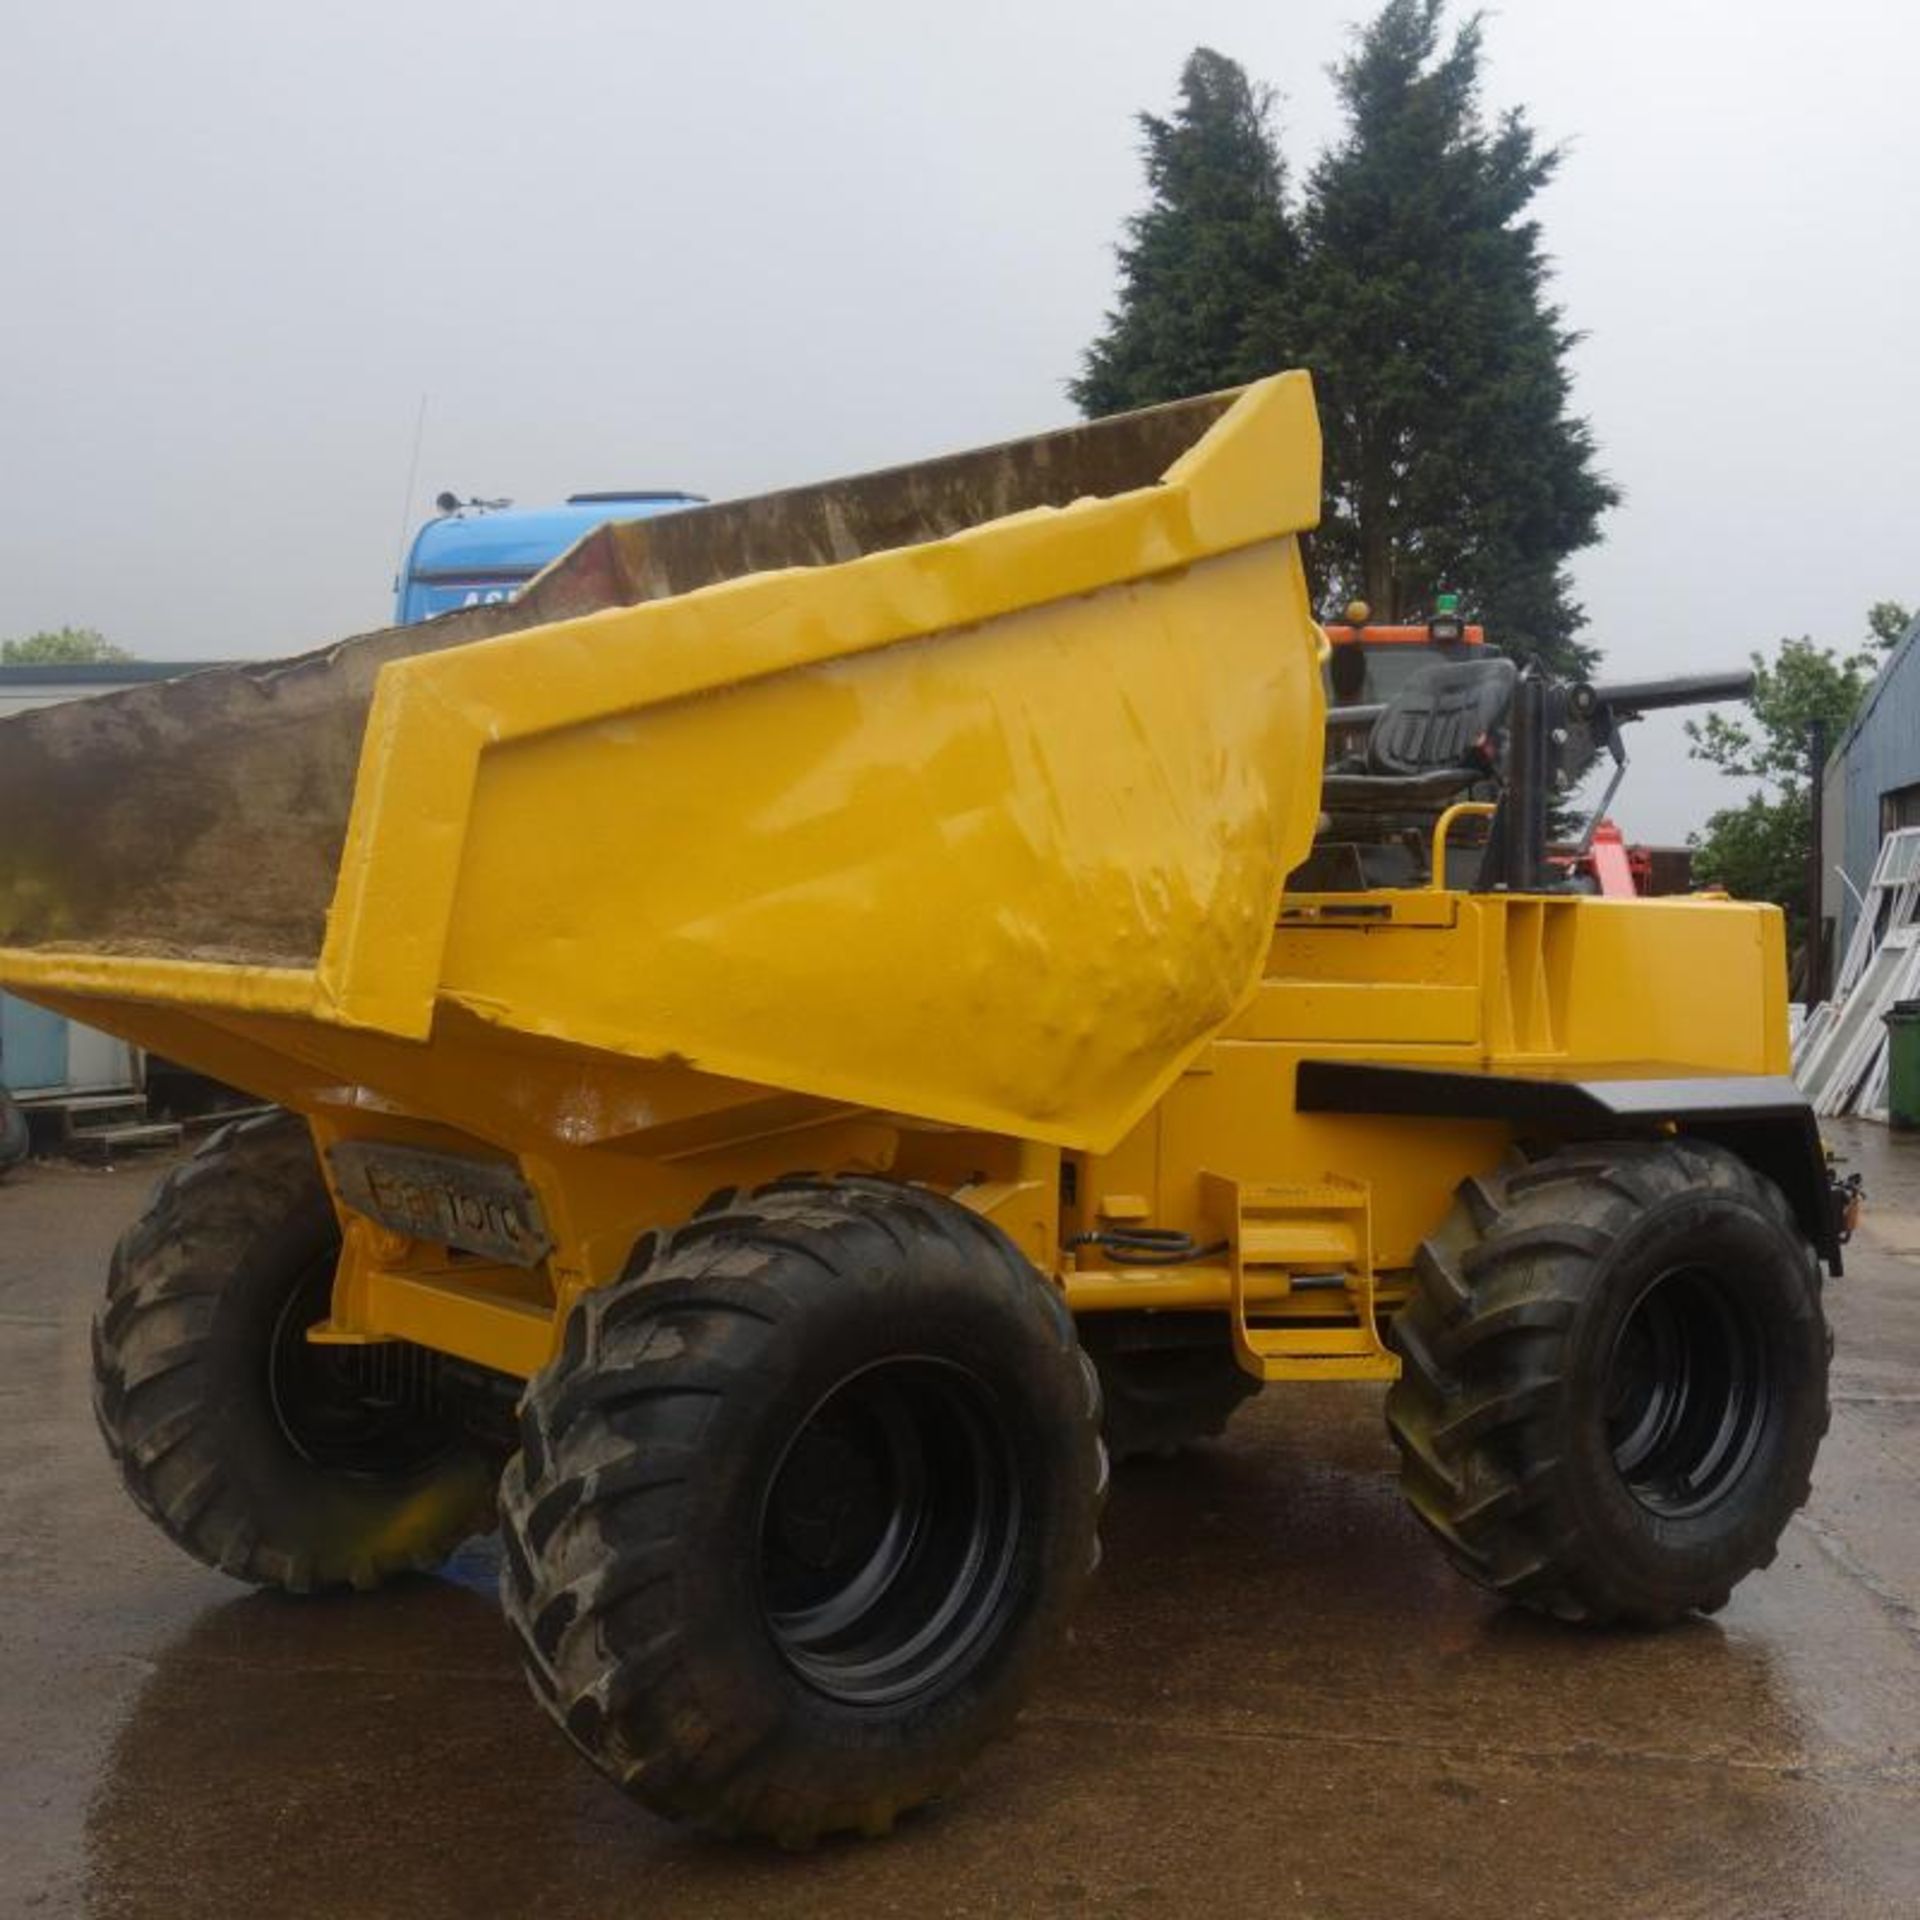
736, 246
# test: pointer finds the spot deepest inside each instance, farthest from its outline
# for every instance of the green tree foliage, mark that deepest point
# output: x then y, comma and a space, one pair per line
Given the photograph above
1802, 683
1887, 620
1759, 849
61, 647
1214, 247
1453, 459
1413, 284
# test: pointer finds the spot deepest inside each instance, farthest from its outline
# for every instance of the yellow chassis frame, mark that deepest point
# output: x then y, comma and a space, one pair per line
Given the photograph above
1316, 1216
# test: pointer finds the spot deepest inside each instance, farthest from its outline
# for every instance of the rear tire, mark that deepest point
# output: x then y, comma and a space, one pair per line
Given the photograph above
801, 1506
257, 1452
1615, 1380
1167, 1380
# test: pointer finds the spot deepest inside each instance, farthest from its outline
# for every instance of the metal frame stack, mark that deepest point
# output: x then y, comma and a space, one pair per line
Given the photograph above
1840, 1053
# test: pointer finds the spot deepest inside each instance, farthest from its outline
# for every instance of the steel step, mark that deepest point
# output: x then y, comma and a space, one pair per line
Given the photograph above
102, 1145
1319, 1237
83, 1102
108, 1114
56, 1119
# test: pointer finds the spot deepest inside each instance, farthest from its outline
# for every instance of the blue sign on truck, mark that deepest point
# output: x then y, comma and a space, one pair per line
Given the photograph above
478, 551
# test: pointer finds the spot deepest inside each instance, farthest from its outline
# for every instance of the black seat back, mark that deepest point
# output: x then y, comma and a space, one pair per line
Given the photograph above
1443, 717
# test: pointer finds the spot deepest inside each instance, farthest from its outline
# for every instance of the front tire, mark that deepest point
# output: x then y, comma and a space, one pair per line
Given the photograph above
801, 1506
257, 1452
1614, 1380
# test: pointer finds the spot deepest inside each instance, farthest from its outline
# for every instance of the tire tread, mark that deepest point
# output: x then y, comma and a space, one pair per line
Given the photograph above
1480, 1343
725, 1285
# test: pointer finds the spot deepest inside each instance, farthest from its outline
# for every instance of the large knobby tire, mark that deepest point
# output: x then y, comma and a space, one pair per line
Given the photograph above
1167, 1380
260, 1454
800, 1507
1615, 1380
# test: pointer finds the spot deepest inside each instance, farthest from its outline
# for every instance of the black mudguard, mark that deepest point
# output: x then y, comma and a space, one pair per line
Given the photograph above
1763, 1118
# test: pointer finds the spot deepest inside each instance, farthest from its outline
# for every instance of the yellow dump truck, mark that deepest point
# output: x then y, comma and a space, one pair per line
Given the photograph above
796, 1035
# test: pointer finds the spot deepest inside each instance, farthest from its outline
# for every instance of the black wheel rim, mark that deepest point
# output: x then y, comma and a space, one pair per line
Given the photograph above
1689, 1392
887, 1534
348, 1410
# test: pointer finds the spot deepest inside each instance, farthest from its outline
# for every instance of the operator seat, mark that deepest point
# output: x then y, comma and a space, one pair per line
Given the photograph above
1438, 735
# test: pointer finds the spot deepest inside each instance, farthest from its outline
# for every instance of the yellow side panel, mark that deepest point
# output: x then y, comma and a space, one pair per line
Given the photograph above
1238, 1120
1009, 876
1367, 1011
1697, 982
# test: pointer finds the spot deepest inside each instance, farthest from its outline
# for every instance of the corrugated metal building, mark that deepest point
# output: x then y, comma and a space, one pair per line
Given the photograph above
1873, 782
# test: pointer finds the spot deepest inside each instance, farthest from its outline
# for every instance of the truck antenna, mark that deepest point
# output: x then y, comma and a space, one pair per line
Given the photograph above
406, 505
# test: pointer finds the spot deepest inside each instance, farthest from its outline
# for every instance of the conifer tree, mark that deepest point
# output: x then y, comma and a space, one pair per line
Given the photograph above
1212, 250
1453, 459
1412, 283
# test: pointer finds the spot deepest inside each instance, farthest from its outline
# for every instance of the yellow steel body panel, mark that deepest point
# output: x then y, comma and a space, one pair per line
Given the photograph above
806, 827
827, 879
1694, 987
40, 973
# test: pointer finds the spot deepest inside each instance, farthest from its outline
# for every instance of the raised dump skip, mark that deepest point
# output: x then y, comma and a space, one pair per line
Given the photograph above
204, 817
965, 790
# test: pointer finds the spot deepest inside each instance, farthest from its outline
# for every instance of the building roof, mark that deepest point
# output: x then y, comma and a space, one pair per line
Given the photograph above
100, 673
1889, 669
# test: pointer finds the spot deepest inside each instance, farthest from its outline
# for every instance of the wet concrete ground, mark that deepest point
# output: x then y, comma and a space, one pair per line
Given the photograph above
1279, 1702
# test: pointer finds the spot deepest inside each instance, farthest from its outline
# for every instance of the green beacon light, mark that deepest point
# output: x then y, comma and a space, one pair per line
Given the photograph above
1444, 627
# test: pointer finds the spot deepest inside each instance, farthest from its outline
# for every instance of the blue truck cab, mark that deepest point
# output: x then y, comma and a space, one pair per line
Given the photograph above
478, 552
